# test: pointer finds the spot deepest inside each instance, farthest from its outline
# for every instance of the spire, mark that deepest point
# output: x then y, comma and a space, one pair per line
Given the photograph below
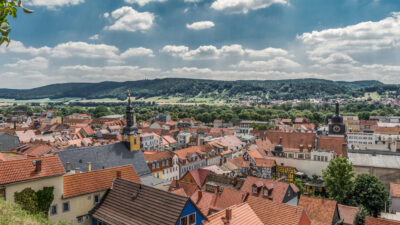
337, 108
130, 113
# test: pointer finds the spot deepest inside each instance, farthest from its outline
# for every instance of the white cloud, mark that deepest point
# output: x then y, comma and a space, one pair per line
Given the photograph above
106, 15
142, 2
85, 50
362, 38
200, 25
128, 19
53, 4
194, 1
134, 52
94, 37
243, 6
37, 63
266, 53
175, 50
19, 47
278, 64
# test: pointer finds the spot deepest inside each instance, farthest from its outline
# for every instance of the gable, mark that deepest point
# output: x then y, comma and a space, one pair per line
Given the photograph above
189, 209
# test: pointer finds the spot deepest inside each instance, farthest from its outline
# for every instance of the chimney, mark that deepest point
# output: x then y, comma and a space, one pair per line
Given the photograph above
77, 170
38, 166
15, 125
228, 216
68, 166
301, 147
200, 195
118, 173
88, 166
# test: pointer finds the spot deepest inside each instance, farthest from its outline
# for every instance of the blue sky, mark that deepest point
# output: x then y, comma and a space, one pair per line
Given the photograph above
118, 40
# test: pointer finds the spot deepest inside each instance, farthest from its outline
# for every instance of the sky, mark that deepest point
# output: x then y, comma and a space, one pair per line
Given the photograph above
119, 40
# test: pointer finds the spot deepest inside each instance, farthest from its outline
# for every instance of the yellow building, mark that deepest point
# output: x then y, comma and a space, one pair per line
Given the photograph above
130, 133
34, 173
82, 191
286, 172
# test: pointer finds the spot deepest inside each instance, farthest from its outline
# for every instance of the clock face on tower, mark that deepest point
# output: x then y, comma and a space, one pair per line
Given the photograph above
336, 128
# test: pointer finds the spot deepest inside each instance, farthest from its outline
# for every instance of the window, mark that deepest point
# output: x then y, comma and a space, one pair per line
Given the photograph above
65, 206
192, 218
53, 210
96, 199
80, 219
184, 220
2, 192
265, 192
255, 191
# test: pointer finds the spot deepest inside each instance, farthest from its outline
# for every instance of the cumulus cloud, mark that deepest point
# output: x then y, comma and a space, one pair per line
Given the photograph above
142, 2
85, 50
200, 25
37, 63
128, 19
243, 6
365, 37
94, 37
278, 63
134, 52
212, 52
53, 4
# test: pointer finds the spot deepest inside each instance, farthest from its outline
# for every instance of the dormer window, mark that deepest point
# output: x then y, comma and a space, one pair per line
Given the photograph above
266, 192
255, 190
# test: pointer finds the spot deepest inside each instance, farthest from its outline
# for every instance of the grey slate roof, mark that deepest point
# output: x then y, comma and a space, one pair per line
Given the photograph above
105, 156
8, 142
150, 206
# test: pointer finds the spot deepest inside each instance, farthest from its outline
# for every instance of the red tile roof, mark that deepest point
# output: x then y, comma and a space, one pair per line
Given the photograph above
278, 192
394, 190
199, 175
88, 182
24, 169
266, 163
255, 154
274, 213
188, 188
214, 201
320, 210
241, 214
156, 156
379, 221
336, 144
292, 141
348, 213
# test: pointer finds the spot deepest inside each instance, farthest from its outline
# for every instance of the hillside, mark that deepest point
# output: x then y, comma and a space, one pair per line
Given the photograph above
196, 88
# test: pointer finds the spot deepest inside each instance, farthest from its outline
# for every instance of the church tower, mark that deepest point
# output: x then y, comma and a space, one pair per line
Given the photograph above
336, 127
130, 133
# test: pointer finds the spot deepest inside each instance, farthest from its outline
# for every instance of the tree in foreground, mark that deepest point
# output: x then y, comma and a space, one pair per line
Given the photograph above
8, 8
339, 179
371, 193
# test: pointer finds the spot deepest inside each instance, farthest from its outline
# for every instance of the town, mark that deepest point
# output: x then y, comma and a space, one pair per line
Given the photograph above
84, 170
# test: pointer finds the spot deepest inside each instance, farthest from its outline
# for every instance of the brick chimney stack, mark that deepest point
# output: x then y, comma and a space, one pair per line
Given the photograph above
228, 216
77, 170
88, 166
68, 166
118, 174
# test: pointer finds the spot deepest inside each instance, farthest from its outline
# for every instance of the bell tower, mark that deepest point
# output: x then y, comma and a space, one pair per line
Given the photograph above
336, 127
130, 133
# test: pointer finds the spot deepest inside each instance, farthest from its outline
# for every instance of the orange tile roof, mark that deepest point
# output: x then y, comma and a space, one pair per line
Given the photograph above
291, 141
266, 163
156, 156
320, 210
180, 191
213, 201
278, 192
24, 169
394, 190
379, 221
348, 213
88, 182
274, 213
241, 214
255, 154
199, 175
332, 143
188, 188
240, 162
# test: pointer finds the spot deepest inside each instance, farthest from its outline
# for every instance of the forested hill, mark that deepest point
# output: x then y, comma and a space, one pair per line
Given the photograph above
180, 87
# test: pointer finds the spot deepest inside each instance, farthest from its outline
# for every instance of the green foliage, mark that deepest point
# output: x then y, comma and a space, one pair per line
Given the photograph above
196, 88
371, 193
100, 111
8, 8
35, 202
364, 115
360, 217
338, 179
45, 198
28, 200
299, 184
11, 214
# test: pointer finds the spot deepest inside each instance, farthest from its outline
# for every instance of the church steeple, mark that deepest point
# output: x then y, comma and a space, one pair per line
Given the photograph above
130, 133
